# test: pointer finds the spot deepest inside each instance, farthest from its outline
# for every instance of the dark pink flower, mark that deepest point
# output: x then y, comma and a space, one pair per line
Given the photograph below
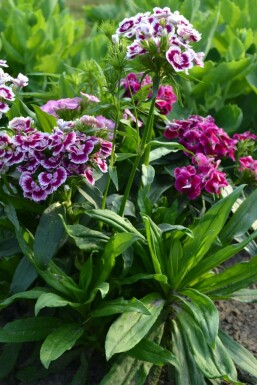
247, 135
215, 181
187, 181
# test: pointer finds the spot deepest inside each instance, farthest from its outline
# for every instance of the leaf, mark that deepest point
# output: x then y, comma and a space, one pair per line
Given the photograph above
155, 242
126, 371
119, 306
85, 238
241, 220
150, 351
30, 294
59, 341
113, 203
245, 295
187, 372
241, 356
8, 358
229, 117
230, 280
45, 121
52, 300
116, 245
148, 174
114, 220
204, 313
205, 233
8, 247
213, 363
114, 176
28, 329
138, 277
25, 274
130, 328
50, 235
103, 288
216, 259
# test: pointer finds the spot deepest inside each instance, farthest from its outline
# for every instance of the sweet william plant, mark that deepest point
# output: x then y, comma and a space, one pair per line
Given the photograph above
97, 231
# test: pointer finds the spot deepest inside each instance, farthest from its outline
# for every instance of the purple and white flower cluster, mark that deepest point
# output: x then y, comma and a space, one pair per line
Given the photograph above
202, 175
165, 96
7, 87
45, 160
208, 143
155, 28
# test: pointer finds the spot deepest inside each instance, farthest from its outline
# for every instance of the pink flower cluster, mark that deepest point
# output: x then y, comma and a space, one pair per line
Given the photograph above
153, 28
247, 135
203, 175
7, 84
55, 107
248, 165
201, 135
45, 160
165, 96
209, 144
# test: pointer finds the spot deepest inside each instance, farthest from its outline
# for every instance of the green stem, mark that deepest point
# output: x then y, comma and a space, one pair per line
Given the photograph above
146, 137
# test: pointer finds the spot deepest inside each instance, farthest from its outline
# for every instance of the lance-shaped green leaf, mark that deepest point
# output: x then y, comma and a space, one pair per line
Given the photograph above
8, 247
154, 237
150, 351
205, 233
85, 238
242, 219
141, 276
204, 312
245, 295
129, 329
59, 341
45, 121
114, 247
8, 358
213, 363
241, 356
187, 372
30, 294
114, 220
28, 329
214, 260
25, 274
119, 306
230, 280
52, 300
50, 235
128, 370
102, 288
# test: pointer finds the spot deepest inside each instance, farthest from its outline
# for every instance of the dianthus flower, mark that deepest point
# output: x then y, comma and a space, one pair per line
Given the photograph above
248, 166
247, 135
165, 97
55, 107
170, 33
201, 135
8, 85
203, 175
45, 160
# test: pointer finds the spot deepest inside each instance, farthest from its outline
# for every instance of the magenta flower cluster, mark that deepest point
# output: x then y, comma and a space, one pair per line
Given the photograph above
202, 175
45, 160
55, 107
248, 165
7, 86
165, 96
152, 28
201, 135
207, 144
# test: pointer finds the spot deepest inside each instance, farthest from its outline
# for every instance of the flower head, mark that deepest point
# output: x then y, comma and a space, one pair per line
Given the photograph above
162, 25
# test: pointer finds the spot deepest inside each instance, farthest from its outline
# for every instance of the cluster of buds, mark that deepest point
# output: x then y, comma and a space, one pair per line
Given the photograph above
202, 175
165, 96
45, 160
8, 84
201, 135
169, 32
